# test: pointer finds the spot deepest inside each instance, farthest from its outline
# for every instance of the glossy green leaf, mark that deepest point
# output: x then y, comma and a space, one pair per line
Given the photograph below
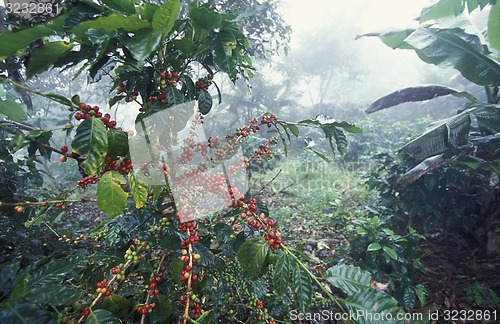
390, 252
341, 141
91, 140
494, 26
116, 304
53, 272
456, 49
24, 313
252, 256
302, 287
115, 22
125, 6
488, 119
12, 110
11, 42
373, 247
55, 294
102, 316
421, 293
204, 101
117, 143
223, 44
281, 275
166, 15
409, 298
44, 57
139, 188
348, 278
143, 43
111, 198
174, 96
373, 303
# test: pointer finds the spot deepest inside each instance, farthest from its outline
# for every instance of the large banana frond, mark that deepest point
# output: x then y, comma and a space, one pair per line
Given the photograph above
410, 94
445, 134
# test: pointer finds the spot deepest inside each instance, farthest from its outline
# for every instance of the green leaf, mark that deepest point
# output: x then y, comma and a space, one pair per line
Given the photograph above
12, 110
115, 22
204, 101
281, 275
139, 188
117, 143
206, 318
8, 272
348, 278
222, 44
455, 48
111, 198
21, 288
124, 6
11, 42
55, 294
494, 26
373, 303
53, 272
166, 15
114, 100
373, 247
444, 134
91, 140
409, 298
44, 57
390, 252
442, 9
205, 18
252, 256
117, 305
101, 316
163, 309
341, 141
174, 96
25, 313
421, 293
302, 287
143, 43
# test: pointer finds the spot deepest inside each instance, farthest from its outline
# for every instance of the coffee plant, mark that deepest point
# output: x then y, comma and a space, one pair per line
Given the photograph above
185, 240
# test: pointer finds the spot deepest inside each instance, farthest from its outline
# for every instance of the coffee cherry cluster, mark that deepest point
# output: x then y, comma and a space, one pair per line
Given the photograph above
269, 119
19, 209
129, 95
123, 167
131, 255
190, 228
156, 230
202, 83
259, 311
102, 287
167, 78
91, 179
153, 290
87, 111
273, 237
118, 272
145, 308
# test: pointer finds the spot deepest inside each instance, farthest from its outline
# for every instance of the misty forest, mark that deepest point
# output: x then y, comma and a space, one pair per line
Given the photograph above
253, 161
